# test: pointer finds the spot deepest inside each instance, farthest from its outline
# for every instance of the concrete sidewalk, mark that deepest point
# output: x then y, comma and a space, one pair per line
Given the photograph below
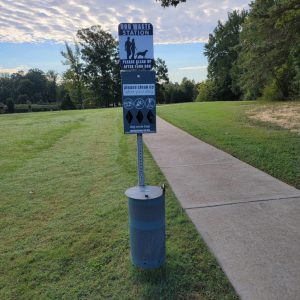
250, 220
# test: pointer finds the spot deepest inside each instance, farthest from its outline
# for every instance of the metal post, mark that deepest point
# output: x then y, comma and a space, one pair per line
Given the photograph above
140, 159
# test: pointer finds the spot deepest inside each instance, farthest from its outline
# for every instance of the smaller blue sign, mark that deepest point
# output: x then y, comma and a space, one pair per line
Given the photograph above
139, 101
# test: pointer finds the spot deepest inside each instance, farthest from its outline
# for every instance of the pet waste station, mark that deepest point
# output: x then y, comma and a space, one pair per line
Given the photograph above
146, 204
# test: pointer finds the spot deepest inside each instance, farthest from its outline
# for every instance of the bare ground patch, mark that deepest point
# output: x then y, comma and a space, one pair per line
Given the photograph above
286, 115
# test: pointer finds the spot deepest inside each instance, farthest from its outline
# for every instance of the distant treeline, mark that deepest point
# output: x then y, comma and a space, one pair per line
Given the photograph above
93, 75
38, 91
28, 91
255, 54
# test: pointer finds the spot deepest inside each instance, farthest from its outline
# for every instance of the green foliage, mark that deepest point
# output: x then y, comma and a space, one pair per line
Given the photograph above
189, 89
39, 81
161, 71
222, 51
254, 51
6, 88
22, 99
3, 108
166, 3
52, 85
74, 87
34, 86
26, 88
10, 105
100, 53
269, 45
67, 103
162, 78
186, 91
74, 76
271, 92
206, 91
279, 88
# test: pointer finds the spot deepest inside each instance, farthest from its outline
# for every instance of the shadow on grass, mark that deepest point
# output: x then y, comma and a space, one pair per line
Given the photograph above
167, 282
150, 276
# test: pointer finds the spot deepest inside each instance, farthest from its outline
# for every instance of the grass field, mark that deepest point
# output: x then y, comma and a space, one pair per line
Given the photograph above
265, 135
63, 215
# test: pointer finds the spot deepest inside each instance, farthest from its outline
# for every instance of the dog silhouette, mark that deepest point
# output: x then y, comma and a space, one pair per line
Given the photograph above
142, 54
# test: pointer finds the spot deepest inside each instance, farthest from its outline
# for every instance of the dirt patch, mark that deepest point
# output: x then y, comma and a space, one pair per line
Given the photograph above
286, 115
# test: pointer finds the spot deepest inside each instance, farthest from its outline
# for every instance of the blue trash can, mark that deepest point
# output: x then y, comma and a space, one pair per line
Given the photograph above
146, 205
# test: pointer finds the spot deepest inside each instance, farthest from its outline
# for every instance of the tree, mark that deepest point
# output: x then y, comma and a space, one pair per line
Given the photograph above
25, 87
161, 71
39, 81
222, 52
270, 43
67, 103
166, 3
100, 53
186, 91
5, 88
15, 79
52, 85
76, 72
3, 108
10, 106
23, 99
31, 87
162, 78
189, 90
206, 91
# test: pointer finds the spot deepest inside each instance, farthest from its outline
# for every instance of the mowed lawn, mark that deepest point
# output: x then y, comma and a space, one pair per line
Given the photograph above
265, 135
64, 221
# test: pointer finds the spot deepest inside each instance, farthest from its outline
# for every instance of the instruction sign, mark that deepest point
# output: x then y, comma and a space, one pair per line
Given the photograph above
136, 46
139, 101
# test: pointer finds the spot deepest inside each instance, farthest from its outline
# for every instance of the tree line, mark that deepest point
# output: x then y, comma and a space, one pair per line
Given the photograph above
93, 75
92, 78
255, 54
32, 87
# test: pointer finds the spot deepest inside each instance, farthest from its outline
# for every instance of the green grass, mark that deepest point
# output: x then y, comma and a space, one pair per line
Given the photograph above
225, 125
64, 222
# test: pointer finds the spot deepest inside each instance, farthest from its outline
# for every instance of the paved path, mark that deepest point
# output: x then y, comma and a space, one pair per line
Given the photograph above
250, 220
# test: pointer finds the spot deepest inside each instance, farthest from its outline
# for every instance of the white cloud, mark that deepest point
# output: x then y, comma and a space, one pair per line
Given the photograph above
14, 70
193, 68
37, 20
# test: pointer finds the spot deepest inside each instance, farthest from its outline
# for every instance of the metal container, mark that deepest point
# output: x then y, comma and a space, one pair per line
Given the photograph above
147, 226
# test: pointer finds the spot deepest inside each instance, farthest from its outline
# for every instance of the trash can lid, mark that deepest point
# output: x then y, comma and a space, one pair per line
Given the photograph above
144, 192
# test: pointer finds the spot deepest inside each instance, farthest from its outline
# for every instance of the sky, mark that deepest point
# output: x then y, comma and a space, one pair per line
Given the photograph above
33, 32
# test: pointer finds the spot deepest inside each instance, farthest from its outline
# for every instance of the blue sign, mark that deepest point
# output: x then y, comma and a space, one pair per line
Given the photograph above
136, 46
139, 101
